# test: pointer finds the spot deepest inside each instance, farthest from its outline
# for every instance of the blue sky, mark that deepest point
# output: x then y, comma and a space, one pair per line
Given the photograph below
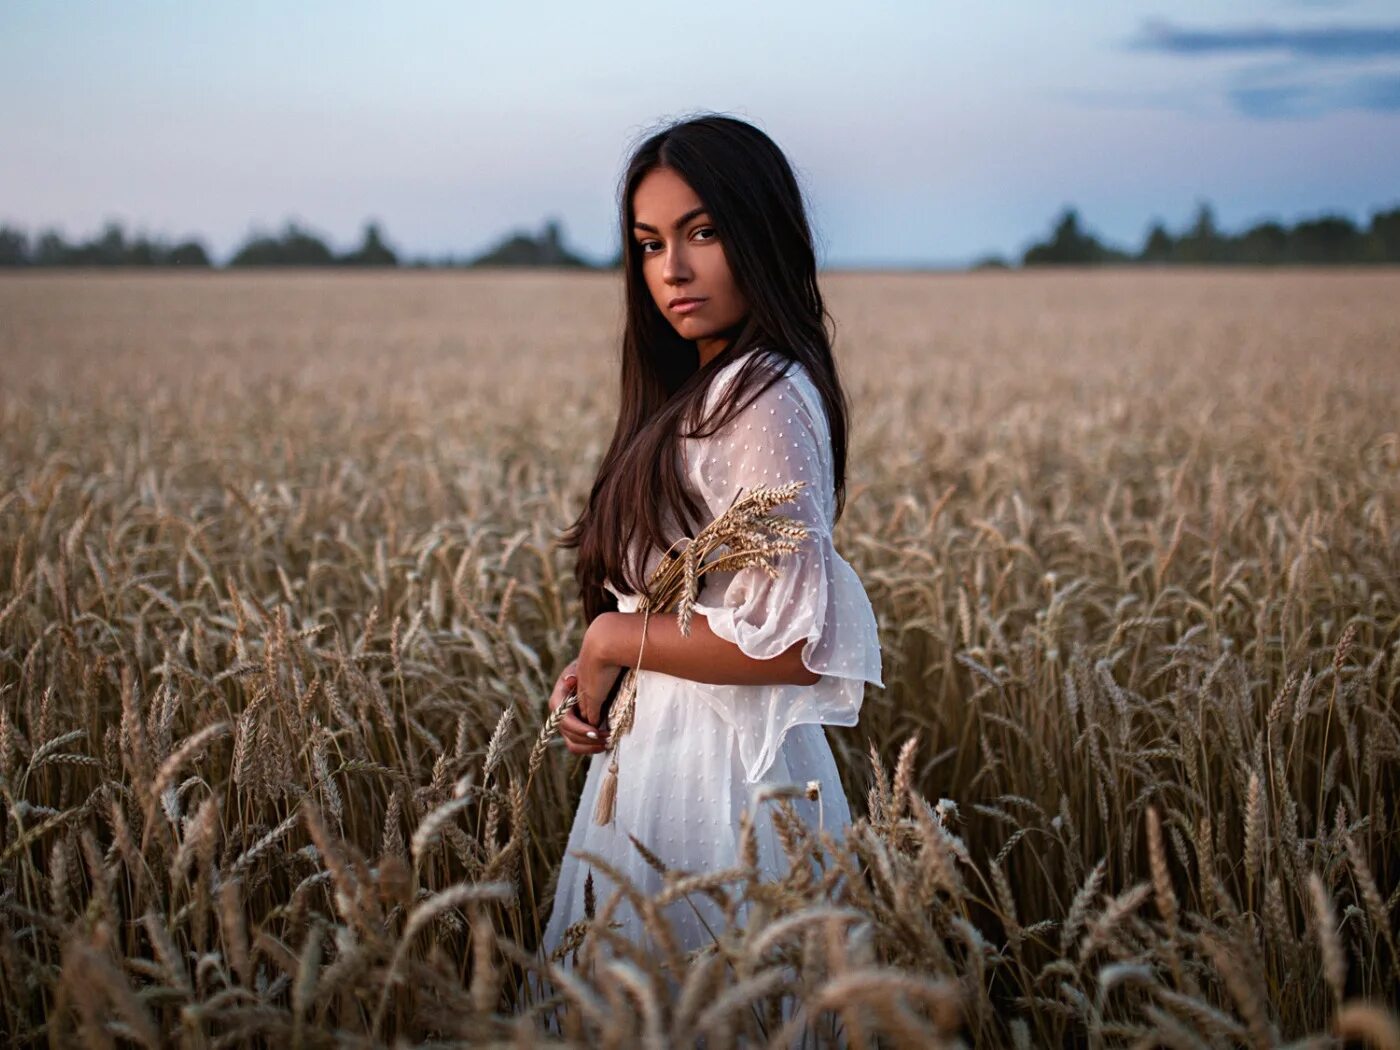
923, 132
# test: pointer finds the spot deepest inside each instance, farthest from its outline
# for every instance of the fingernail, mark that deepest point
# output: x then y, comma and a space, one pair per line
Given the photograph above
592, 735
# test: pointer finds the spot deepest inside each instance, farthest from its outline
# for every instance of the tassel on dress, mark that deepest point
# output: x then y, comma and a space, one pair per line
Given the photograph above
619, 721
607, 794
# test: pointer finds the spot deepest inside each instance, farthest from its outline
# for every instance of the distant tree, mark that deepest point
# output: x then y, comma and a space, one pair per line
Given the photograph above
109, 248
1201, 243
1069, 245
144, 252
258, 251
991, 262
188, 254
14, 247
552, 244
295, 247
372, 250
1385, 234
1159, 246
112, 247
1263, 243
50, 250
520, 249
303, 248
1329, 239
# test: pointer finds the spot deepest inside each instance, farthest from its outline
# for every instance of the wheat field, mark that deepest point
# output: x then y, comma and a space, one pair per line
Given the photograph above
280, 611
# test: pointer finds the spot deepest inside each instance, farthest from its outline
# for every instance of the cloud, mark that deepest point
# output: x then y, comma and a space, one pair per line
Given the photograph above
1321, 42
1273, 100
1316, 70
1376, 93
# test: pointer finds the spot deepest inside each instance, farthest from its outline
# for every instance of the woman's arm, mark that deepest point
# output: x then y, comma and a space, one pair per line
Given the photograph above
702, 657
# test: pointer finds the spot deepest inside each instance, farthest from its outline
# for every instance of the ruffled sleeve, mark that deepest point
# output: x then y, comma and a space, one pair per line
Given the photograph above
817, 598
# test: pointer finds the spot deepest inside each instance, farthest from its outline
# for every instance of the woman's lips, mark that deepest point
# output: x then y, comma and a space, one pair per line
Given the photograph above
688, 305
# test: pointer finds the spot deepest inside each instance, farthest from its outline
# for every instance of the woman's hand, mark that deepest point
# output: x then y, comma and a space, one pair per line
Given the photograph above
579, 737
597, 671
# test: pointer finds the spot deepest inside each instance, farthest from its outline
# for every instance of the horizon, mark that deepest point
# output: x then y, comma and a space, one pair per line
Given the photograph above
467, 259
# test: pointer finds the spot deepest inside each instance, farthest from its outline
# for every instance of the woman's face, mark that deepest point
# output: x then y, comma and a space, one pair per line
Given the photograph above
683, 258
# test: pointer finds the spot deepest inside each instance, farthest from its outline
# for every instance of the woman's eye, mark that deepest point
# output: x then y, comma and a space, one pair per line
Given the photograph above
644, 245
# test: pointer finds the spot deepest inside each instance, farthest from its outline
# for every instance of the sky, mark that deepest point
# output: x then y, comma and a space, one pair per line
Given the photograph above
923, 132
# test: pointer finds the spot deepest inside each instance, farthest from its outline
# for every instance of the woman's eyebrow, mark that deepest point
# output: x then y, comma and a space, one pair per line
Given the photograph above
679, 222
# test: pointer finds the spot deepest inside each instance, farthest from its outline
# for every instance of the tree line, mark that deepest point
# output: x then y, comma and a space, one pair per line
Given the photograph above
293, 246
1325, 240
1328, 239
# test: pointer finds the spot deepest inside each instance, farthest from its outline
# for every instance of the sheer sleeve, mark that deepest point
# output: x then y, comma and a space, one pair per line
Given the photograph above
817, 598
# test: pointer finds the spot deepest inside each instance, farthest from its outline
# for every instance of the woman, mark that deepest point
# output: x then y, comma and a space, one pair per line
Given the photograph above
728, 382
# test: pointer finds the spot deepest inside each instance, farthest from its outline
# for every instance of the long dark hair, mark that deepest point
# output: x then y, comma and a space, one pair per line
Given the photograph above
753, 198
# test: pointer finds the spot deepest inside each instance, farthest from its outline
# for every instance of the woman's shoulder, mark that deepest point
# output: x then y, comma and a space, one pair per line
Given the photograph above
791, 401
792, 375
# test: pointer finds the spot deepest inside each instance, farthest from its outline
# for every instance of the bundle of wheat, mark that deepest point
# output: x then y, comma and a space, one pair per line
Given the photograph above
752, 536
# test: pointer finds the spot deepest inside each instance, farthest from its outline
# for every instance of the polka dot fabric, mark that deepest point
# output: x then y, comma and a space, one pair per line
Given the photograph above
817, 598
698, 754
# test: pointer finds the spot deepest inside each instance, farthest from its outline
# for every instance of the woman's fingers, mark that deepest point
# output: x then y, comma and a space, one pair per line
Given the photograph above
579, 737
574, 726
579, 733
567, 683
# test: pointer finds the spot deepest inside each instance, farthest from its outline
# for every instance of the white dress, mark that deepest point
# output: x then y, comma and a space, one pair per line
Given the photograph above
698, 753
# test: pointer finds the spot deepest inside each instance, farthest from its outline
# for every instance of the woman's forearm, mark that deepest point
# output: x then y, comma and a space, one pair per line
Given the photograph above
702, 657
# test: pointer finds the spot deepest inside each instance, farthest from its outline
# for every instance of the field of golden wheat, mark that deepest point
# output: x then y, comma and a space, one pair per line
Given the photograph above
280, 610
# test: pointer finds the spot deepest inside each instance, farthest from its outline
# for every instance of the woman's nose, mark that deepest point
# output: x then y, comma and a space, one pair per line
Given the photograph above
676, 267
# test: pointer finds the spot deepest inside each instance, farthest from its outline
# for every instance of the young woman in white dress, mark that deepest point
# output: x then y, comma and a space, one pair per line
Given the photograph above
727, 383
